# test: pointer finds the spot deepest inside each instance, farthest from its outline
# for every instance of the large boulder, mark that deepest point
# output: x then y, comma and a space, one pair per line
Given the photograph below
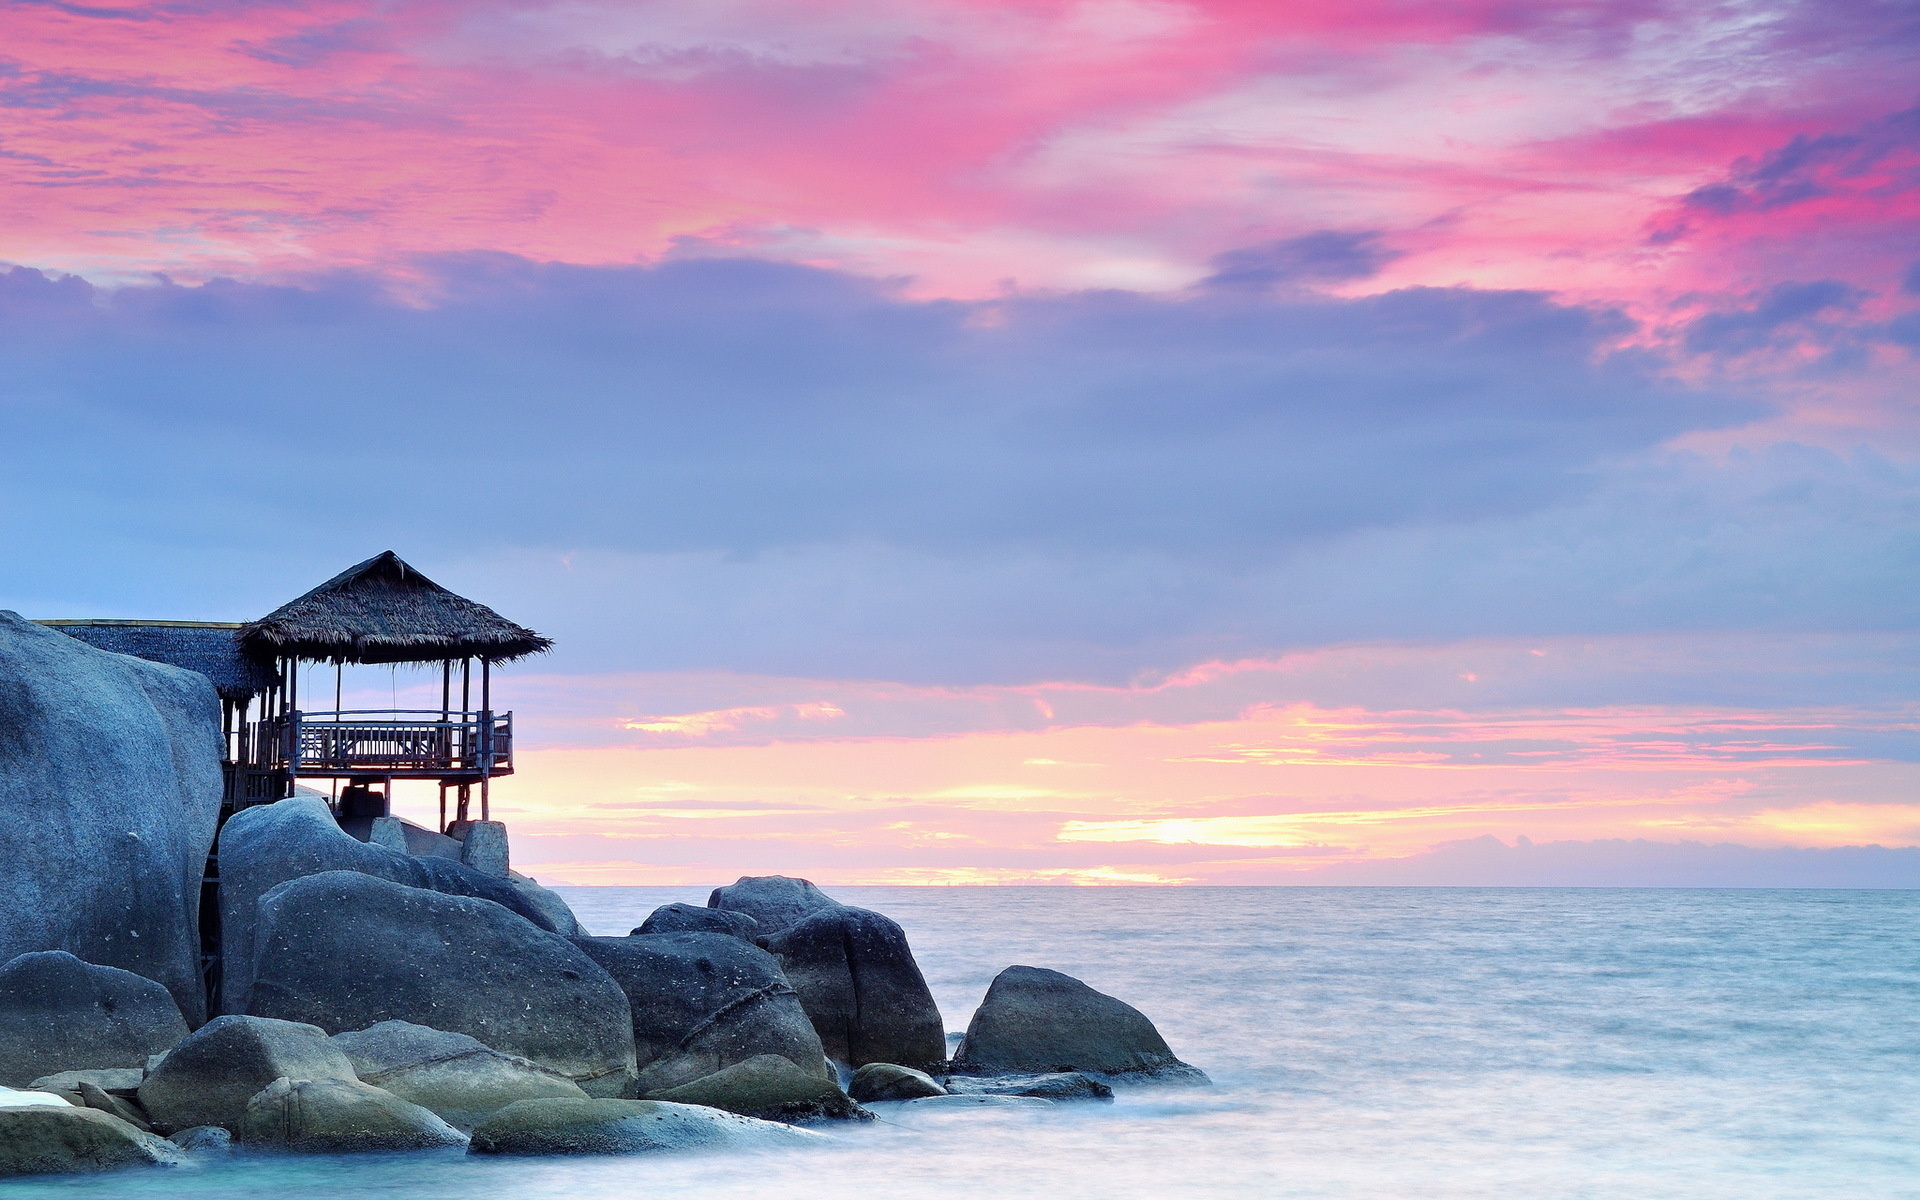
110, 789
544, 1127
771, 1088
338, 1116
455, 1076
63, 1140
1038, 1021
268, 845
344, 951
691, 918
58, 1013
704, 1001
555, 913
209, 1078
876, 1082
859, 984
773, 901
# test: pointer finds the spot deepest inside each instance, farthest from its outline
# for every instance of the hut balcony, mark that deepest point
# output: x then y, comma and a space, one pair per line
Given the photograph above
452, 747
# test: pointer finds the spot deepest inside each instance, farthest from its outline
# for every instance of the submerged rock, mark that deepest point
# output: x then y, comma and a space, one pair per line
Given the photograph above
344, 951
58, 1013
63, 1140
336, 1116
1039, 1021
771, 1088
691, 918
204, 1139
890, 1081
773, 901
626, 1127
702, 1002
960, 1103
861, 988
1058, 1085
271, 844
110, 788
455, 1076
209, 1078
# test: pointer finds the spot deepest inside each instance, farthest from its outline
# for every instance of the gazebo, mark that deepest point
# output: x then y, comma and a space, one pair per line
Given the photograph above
380, 612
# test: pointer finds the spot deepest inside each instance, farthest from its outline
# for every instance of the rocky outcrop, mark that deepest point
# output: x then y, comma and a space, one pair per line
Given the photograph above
209, 1078
58, 1013
702, 1002
1038, 1021
876, 1082
541, 1127
63, 1140
335, 1116
271, 844
455, 1076
110, 788
773, 901
860, 986
771, 1088
344, 951
691, 918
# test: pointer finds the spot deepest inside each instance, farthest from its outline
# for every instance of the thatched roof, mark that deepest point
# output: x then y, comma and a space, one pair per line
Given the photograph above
384, 611
208, 647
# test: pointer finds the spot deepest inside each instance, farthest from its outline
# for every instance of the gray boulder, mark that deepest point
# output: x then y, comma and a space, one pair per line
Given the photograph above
71, 1141
339, 1116
209, 1078
121, 1081
774, 901
860, 986
58, 1013
771, 1088
204, 1139
890, 1081
558, 916
626, 1127
702, 1002
128, 1111
1058, 1085
345, 951
1036, 1020
110, 789
691, 918
268, 845
455, 1076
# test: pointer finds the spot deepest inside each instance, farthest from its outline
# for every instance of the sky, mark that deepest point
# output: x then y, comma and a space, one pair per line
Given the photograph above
1025, 441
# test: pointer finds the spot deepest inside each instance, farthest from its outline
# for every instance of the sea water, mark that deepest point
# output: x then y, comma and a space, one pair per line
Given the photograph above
1366, 1044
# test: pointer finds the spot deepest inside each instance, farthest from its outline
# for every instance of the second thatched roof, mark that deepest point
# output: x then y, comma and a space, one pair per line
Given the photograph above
384, 611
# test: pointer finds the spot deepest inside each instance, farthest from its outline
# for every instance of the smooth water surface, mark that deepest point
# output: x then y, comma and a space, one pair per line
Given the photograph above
1374, 1044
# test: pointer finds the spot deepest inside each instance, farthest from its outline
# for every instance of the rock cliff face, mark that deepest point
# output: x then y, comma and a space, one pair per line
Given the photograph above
109, 792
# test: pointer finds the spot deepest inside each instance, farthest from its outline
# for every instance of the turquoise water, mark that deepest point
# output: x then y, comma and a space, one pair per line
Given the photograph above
1369, 1044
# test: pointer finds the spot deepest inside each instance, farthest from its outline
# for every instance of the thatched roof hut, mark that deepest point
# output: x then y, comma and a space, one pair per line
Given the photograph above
384, 611
208, 647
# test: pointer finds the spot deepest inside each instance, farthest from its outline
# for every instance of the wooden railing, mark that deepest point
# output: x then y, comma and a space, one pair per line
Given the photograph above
400, 744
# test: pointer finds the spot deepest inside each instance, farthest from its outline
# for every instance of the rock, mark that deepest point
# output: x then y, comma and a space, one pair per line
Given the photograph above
268, 845
204, 1139
345, 951
702, 1002
123, 1081
861, 988
338, 1116
110, 788
93, 1097
966, 1103
771, 1088
388, 832
65, 1140
890, 1081
209, 1078
58, 1013
549, 904
690, 918
455, 1076
1058, 1085
774, 901
11, 1098
626, 1127
483, 846
1035, 1020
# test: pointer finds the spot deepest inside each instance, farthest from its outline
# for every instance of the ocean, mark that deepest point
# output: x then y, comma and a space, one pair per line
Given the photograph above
1367, 1044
